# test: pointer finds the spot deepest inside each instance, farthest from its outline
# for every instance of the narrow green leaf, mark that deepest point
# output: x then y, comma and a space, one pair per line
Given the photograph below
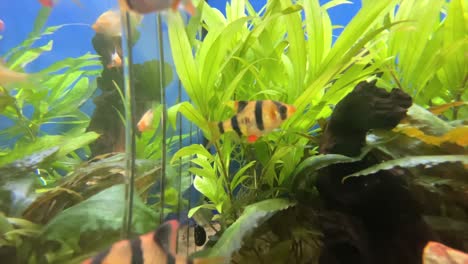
30, 55
211, 188
253, 216
78, 142
409, 162
195, 149
94, 215
183, 58
239, 176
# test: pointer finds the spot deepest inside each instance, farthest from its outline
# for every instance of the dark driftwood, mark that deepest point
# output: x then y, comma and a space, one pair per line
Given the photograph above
372, 219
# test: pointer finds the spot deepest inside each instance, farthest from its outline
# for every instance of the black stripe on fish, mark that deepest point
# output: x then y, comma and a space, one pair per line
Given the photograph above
162, 236
170, 259
258, 115
235, 125
100, 257
221, 127
129, 4
282, 109
137, 252
241, 105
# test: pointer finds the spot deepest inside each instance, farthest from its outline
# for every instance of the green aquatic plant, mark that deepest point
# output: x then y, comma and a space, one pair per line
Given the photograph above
285, 52
57, 190
426, 55
265, 55
52, 96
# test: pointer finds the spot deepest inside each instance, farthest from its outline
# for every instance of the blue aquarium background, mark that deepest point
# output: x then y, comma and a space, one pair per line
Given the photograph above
75, 40
269, 129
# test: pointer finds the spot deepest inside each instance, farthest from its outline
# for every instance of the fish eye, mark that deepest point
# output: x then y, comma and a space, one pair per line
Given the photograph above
283, 109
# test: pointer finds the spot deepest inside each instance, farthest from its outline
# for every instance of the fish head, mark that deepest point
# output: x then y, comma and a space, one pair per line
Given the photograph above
291, 109
108, 23
285, 111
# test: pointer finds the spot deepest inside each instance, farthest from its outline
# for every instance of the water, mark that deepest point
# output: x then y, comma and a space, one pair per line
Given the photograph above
81, 169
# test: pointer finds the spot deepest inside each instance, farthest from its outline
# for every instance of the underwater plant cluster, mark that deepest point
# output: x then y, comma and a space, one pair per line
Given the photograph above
250, 135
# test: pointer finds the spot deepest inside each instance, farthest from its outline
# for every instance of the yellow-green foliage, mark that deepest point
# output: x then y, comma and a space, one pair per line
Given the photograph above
427, 54
285, 52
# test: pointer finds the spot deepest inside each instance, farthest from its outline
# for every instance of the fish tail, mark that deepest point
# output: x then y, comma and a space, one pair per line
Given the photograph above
190, 8
175, 5
212, 260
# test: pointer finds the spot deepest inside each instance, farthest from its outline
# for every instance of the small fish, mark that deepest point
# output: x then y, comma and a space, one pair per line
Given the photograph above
146, 121
8, 76
115, 61
437, 253
52, 3
148, 6
108, 23
152, 248
2, 25
256, 118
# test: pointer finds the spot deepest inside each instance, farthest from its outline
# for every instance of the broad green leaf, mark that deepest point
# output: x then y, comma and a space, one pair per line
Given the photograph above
426, 121
314, 163
195, 149
409, 162
193, 210
189, 112
212, 188
183, 58
252, 217
213, 54
100, 213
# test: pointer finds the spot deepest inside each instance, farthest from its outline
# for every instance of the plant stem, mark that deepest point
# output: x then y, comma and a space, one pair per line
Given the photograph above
396, 79
225, 172
458, 97
24, 122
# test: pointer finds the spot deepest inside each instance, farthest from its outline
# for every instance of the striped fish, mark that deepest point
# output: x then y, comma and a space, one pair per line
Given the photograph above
156, 247
149, 6
256, 118
437, 253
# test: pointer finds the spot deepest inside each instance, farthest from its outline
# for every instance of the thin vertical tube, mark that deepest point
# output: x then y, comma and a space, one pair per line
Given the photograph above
129, 106
179, 172
162, 80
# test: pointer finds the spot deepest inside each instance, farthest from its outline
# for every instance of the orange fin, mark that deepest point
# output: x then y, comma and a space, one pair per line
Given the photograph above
435, 252
166, 236
252, 138
175, 5
190, 8
163, 241
146, 121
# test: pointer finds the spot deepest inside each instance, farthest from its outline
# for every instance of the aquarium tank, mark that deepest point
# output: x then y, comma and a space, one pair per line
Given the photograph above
233, 131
